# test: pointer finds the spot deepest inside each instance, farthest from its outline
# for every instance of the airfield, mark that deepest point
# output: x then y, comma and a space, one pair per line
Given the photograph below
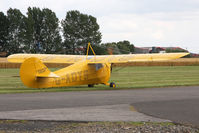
143, 94
178, 104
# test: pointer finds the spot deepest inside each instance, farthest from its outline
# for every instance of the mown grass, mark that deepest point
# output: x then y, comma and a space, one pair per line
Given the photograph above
125, 78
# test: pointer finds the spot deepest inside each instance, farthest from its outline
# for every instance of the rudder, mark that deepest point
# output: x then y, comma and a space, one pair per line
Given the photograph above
31, 70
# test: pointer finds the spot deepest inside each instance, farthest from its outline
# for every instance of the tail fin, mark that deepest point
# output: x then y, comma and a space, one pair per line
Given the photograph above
31, 70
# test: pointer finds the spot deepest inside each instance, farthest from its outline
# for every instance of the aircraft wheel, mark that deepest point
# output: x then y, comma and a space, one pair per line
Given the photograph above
91, 85
112, 84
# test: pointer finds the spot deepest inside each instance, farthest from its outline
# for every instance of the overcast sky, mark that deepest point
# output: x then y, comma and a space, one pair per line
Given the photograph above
143, 22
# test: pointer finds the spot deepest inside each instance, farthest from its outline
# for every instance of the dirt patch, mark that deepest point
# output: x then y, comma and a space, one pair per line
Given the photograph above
94, 127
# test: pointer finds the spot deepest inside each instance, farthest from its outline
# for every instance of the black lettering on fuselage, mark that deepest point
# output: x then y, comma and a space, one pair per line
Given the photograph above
63, 79
74, 76
80, 75
85, 74
57, 81
68, 78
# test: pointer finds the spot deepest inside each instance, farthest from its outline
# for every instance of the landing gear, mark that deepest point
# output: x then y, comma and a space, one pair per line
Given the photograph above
90, 85
112, 84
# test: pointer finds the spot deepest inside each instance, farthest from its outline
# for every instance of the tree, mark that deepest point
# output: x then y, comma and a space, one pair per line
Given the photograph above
34, 21
78, 30
121, 47
16, 29
125, 47
112, 48
99, 50
175, 50
3, 32
43, 31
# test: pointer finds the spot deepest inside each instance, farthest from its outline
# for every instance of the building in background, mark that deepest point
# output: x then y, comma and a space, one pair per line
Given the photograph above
145, 50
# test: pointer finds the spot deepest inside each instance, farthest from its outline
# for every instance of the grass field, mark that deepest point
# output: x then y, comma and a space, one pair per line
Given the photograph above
125, 78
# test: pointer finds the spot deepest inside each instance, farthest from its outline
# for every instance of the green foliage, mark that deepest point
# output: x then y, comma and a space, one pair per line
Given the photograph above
43, 31
177, 50
121, 47
112, 48
52, 39
99, 50
39, 32
17, 31
78, 30
23, 34
34, 21
125, 47
169, 50
3, 32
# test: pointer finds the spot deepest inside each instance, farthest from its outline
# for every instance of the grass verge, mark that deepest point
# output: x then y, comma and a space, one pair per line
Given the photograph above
125, 78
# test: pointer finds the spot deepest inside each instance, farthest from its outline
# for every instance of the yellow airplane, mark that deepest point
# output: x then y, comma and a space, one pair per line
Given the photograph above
85, 70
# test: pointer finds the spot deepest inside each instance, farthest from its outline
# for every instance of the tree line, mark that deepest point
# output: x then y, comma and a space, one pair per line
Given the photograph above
40, 31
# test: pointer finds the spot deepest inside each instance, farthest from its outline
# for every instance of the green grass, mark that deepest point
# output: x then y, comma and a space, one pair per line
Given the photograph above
125, 78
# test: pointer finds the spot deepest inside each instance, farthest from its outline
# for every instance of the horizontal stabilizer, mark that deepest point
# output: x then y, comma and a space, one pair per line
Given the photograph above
50, 75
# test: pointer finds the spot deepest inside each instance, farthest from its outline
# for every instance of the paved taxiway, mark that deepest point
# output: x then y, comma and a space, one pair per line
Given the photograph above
178, 104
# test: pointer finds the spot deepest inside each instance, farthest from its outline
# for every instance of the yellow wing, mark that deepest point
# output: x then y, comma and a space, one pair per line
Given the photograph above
136, 57
50, 58
46, 58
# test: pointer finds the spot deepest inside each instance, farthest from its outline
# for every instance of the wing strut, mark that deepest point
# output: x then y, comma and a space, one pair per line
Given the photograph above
89, 46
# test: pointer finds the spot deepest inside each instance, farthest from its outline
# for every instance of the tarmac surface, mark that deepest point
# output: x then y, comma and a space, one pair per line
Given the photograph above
177, 104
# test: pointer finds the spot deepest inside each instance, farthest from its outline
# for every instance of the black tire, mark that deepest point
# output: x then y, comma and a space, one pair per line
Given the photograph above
91, 85
112, 84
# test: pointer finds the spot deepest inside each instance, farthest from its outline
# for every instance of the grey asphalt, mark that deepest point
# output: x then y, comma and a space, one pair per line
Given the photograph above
184, 111
179, 104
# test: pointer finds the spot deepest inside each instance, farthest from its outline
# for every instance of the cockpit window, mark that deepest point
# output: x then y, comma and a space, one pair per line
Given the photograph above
98, 66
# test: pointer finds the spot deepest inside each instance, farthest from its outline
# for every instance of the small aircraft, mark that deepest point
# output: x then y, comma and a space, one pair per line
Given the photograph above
85, 69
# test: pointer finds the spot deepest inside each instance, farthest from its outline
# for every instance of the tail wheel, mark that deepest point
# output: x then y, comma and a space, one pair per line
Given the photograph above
112, 84
91, 85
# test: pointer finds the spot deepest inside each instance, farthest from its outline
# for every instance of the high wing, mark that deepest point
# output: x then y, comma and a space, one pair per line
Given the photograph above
136, 57
53, 58
47, 58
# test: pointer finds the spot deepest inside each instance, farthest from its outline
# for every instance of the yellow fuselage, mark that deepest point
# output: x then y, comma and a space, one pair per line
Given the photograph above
80, 73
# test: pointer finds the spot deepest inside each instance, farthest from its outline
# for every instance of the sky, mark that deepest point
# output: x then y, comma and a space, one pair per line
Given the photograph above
145, 23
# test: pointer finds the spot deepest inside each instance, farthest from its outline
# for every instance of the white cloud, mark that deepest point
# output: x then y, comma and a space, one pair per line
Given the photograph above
157, 29
143, 22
